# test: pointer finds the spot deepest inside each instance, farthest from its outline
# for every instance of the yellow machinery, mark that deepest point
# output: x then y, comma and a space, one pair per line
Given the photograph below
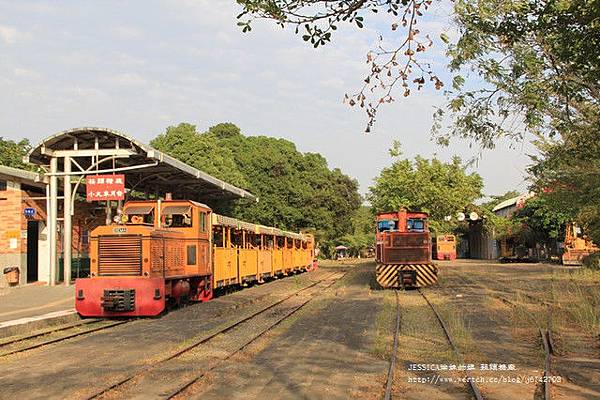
577, 245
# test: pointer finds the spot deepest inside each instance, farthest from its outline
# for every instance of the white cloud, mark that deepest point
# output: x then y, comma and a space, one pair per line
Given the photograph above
173, 61
130, 79
126, 32
8, 34
26, 73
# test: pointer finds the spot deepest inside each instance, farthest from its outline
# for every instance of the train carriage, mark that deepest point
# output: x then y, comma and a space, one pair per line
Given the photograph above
403, 251
163, 252
444, 247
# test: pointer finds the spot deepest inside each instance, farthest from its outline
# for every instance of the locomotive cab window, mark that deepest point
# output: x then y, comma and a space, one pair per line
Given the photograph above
178, 216
142, 215
202, 222
386, 225
191, 255
415, 225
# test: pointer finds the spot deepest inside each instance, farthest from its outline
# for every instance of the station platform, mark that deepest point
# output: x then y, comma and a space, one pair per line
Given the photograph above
34, 307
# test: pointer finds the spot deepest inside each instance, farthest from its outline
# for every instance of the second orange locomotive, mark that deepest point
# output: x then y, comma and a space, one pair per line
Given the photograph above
403, 251
176, 250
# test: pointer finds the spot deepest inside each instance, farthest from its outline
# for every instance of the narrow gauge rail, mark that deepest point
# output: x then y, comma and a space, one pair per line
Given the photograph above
103, 325
472, 385
495, 291
329, 280
390, 375
545, 333
179, 391
43, 332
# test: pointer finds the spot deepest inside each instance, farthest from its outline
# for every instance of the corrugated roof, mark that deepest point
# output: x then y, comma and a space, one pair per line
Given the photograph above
506, 203
514, 201
168, 175
22, 174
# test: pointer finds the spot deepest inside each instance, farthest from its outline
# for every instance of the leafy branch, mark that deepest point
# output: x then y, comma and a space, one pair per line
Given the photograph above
389, 66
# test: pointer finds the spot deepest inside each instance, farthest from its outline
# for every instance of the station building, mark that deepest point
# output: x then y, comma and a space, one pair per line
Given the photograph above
24, 231
45, 226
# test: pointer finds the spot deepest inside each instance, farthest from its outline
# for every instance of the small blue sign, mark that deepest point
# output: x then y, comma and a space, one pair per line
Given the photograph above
29, 212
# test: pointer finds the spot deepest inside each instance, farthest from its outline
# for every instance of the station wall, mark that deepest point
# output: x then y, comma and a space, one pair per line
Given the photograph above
24, 239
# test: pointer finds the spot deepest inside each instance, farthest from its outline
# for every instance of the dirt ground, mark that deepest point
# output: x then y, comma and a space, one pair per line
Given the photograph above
338, 346
325, 352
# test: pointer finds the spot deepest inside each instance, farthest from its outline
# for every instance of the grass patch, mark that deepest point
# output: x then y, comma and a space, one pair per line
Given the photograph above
458, 326
384, 327
579, 305
421, 336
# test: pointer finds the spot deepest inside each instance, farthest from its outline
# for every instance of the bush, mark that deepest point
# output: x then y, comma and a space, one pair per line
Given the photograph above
592, 261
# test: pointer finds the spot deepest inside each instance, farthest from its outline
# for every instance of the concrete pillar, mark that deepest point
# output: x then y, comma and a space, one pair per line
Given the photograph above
52, 219
67, 222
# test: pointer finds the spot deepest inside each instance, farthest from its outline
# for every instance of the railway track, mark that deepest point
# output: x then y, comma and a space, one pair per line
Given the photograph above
26, 343
151, 379
545, 332
471, 382
19, 344
392, 367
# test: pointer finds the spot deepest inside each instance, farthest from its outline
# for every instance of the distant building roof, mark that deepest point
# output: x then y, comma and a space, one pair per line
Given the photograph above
21, 174
515, 201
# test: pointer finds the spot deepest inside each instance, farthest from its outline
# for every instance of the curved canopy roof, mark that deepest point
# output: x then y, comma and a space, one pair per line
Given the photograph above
147, 169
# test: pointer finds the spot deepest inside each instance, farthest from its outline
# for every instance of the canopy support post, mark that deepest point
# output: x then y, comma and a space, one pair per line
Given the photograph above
67, 225
52, 220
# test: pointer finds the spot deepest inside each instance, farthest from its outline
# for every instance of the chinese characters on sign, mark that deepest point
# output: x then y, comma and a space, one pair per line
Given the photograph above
105, 187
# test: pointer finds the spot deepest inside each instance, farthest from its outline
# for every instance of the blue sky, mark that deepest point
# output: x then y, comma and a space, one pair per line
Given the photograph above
140, 66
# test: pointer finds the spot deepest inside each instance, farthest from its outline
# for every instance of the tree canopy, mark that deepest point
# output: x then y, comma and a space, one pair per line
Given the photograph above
530, 67
296, 190
439, 188
521, 69
12, 153
363, 232
200, 151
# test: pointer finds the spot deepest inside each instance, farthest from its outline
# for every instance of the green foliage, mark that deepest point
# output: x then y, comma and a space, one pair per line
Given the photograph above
500, 226
540, 222
536, 70
438, 188
200, 151
363, 232
568, 173
296, 190
12, 153
539, 62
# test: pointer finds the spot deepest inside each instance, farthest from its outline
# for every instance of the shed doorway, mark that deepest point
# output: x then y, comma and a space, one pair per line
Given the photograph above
32, 250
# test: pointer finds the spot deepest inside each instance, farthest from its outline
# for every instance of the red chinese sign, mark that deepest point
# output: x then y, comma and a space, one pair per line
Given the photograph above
105, 187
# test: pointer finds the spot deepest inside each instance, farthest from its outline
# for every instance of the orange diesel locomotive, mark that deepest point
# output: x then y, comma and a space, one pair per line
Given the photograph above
403, 251
173, 251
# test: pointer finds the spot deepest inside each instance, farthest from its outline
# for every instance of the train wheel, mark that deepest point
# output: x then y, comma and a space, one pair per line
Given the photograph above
206, 295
